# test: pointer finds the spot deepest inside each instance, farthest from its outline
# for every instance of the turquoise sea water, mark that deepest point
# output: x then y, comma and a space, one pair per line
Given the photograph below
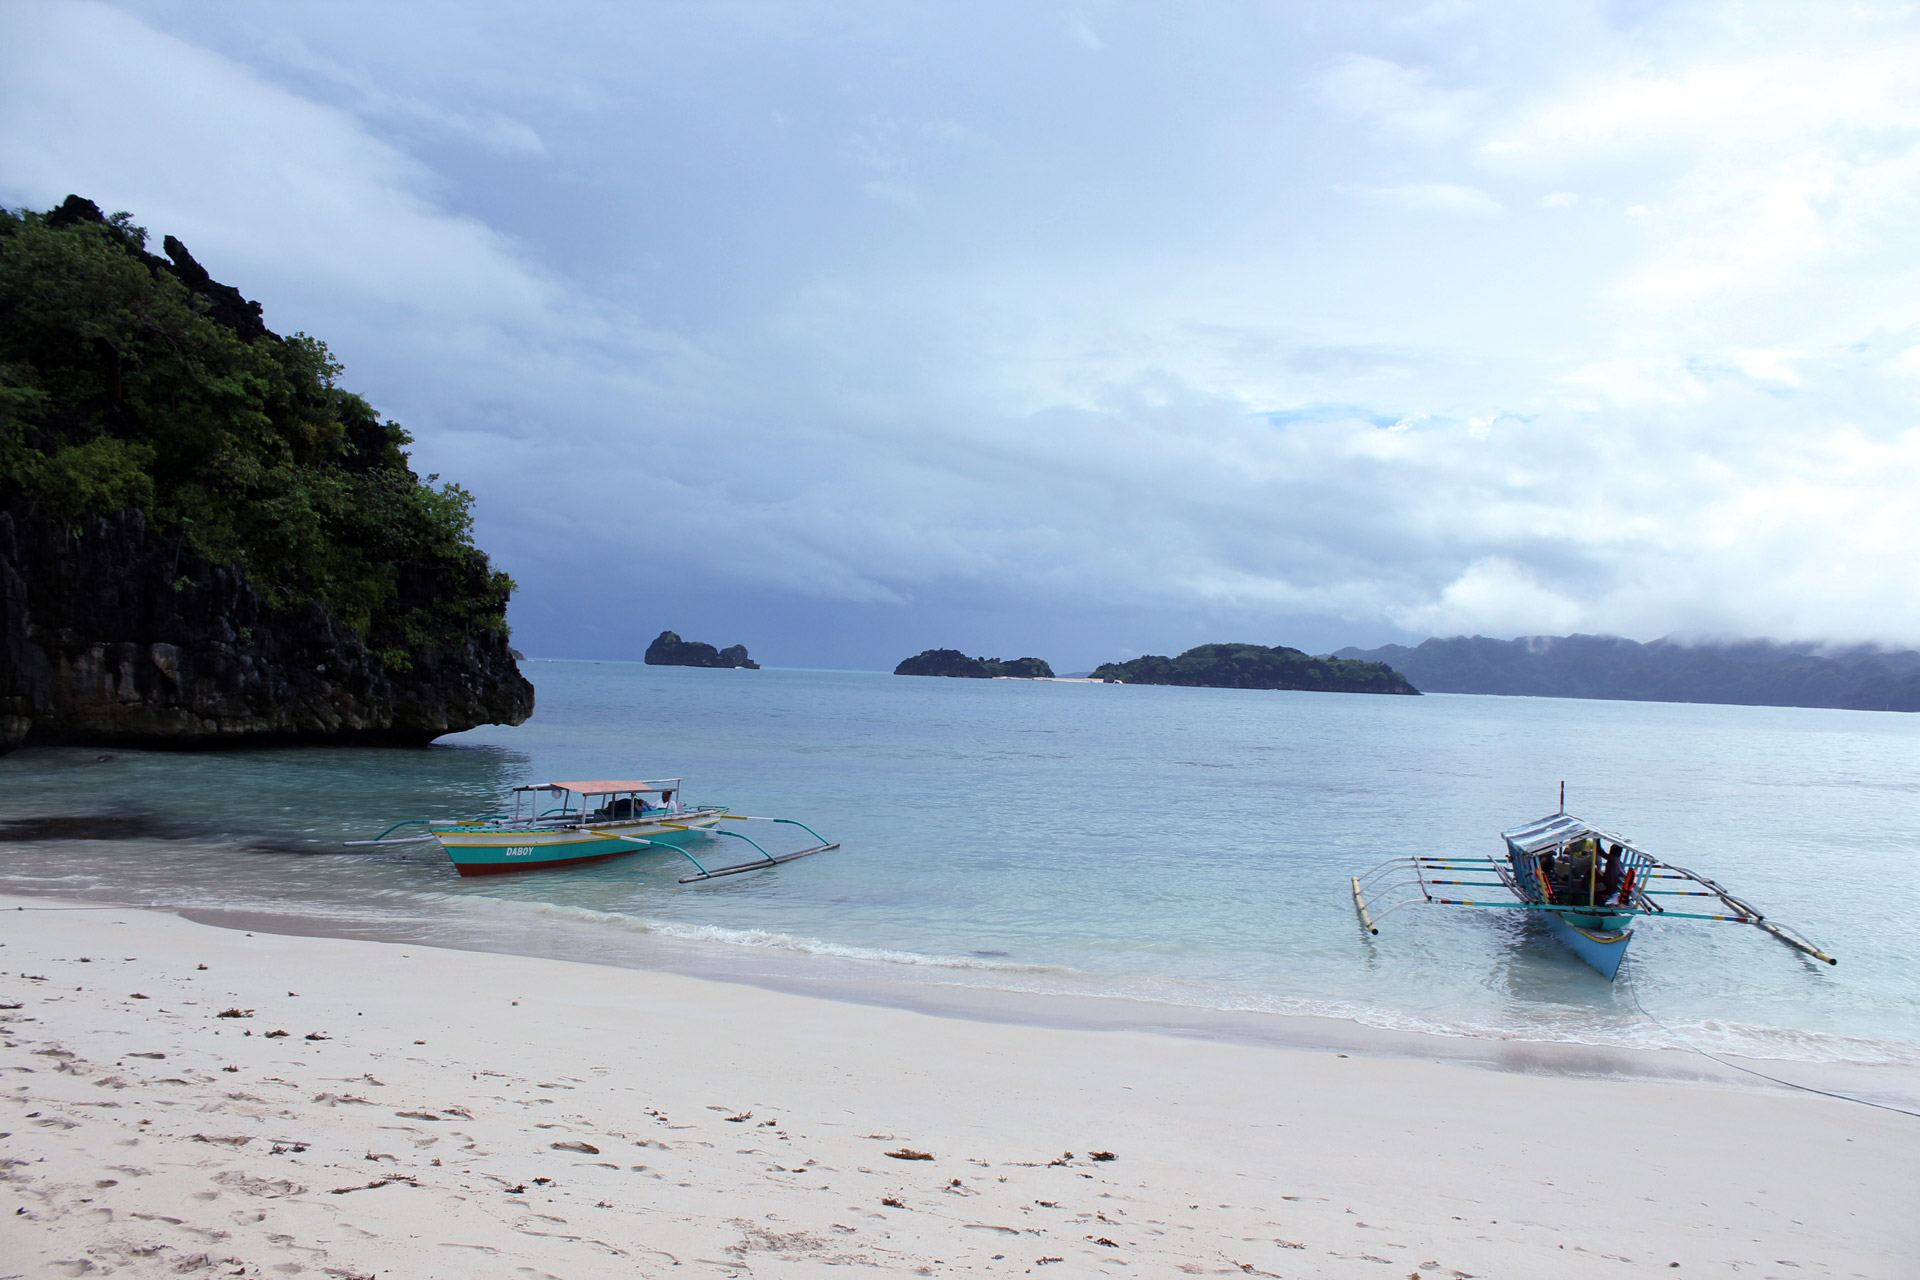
1186, 847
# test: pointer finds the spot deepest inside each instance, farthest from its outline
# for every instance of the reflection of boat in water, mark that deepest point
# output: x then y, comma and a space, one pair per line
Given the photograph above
1587, 884
559, 823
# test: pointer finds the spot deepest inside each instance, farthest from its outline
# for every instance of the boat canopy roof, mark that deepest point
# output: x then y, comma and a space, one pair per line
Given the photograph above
607, 788
1554, 830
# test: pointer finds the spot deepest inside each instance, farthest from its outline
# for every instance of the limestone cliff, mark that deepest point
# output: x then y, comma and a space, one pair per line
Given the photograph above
111, 633
204, 539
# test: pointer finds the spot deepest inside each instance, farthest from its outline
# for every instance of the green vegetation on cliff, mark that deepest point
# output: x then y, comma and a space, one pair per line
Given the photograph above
128, 380
1252, 666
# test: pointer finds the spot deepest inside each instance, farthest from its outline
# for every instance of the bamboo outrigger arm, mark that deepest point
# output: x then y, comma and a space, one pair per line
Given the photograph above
1753, 915
382, 837
1360, 905
702, 873
1794, 940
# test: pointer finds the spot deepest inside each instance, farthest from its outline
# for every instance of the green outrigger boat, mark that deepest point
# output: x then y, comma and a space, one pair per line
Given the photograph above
557, 824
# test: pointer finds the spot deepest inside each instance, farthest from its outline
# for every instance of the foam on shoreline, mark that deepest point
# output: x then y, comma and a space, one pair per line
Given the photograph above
996, 989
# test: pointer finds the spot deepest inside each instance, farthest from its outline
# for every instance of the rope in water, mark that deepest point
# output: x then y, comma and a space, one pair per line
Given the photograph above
1804, 1088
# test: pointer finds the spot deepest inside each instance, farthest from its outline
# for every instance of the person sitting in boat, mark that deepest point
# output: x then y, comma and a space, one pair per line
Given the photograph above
1546, 873
1615, 874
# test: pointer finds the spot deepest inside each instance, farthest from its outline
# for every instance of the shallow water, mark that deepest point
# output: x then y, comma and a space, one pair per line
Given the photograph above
1183, 846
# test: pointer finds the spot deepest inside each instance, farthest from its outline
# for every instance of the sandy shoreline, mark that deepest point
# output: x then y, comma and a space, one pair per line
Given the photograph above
1897, 1084
692, 1126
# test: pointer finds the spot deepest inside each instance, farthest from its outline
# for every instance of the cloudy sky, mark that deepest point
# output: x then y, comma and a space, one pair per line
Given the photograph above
848, 329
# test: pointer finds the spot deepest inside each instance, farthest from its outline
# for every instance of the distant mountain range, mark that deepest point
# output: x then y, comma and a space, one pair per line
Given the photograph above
1751, 673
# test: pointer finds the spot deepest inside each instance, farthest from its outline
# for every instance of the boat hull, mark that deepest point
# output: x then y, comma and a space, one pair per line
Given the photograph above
1599, 938
1604, 949
482, 852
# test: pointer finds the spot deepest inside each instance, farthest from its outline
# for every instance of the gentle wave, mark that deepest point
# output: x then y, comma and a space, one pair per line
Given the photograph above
764, 938
42, 879
1760, 1043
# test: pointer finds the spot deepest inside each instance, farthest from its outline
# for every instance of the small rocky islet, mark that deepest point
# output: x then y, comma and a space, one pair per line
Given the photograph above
1253, 666
1212, 666
669, 650
952, 662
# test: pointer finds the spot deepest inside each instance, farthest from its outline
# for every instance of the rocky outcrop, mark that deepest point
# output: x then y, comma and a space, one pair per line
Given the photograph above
1253, 666
952, 662
225, 304
669, 650
113, 632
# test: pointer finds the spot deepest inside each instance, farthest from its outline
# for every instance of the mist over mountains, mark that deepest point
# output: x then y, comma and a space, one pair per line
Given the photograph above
1748, 673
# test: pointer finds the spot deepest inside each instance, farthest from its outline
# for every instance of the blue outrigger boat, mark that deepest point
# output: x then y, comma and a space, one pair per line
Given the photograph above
1588, 885
557, 824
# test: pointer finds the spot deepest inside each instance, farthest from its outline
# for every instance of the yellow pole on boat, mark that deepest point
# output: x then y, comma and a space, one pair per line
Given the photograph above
1360, 905
1795, 943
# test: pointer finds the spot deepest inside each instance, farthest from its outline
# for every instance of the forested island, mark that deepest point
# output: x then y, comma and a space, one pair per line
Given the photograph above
1751, 673
669, 650
1252, 666
204, 538
952, 662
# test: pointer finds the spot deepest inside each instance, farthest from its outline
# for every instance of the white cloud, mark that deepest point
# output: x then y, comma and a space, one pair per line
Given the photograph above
1494, 595
1760, 161
263, 184
493, 130
1155, 337
1398, 101
1436, 197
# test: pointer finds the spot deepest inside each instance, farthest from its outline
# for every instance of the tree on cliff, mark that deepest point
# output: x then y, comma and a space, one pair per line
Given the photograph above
120, 388
137, 386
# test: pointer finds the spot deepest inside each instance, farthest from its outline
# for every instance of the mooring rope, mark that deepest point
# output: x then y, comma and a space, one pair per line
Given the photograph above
1804, 1088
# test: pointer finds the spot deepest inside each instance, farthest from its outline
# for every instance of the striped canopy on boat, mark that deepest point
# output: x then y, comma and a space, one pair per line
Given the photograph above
610, 788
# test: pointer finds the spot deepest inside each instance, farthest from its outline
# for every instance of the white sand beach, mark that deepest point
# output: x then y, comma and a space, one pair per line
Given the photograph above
435, 1113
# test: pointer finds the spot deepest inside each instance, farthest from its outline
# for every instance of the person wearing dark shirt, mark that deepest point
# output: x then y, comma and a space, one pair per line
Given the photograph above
1615, 874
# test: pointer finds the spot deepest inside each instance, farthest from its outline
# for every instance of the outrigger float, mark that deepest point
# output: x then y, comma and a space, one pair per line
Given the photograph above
556, 824
1587, 884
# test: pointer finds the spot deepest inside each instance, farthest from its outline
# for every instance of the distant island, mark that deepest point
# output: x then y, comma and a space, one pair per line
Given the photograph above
1750, 673
669, 650
952, 662
1252, 666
